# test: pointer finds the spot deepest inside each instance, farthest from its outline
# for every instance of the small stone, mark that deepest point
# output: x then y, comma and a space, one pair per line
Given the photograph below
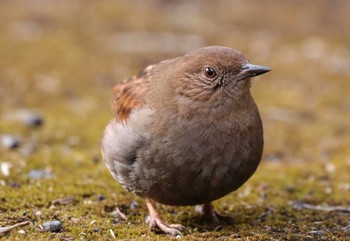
134, 205
5, 168
33, 120
199, 209
317, 232
38, 213
100, 197
96, 229
147, 219
10, 141
53, 226
21, 231
39, 173
28, 117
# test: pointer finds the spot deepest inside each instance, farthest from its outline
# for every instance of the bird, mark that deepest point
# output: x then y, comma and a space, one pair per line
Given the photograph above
186, 131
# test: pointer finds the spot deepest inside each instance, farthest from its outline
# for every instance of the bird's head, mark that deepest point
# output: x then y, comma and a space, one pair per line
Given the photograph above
215, 72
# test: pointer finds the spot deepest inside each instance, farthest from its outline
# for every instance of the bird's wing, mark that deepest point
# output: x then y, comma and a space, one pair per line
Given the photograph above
130, 94
121, 141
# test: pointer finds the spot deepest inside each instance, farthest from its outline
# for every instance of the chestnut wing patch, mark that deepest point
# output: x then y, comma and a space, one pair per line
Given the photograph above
130, 94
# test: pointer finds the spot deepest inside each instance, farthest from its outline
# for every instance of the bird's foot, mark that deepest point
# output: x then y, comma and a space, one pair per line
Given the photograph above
172, 229
157, 222
207, 211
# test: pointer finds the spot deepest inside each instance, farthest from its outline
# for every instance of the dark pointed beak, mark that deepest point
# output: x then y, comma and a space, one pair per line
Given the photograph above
251, 70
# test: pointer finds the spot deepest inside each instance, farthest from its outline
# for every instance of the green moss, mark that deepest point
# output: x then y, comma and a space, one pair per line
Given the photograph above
59, 59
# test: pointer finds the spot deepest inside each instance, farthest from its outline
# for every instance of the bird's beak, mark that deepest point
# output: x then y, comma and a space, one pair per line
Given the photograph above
251, 70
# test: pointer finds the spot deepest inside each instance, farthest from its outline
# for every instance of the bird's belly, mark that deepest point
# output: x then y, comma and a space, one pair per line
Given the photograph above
191, 188
191, 178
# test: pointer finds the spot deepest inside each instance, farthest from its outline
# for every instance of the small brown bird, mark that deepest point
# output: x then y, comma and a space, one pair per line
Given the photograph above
186, 131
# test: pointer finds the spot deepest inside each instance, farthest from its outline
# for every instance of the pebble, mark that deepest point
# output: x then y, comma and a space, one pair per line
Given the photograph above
5, 168
28, 117
10, 141
100, 197
134, 205
39, 174
317, 232
38, 214
33, 120
96, 229
53, 226
147, 219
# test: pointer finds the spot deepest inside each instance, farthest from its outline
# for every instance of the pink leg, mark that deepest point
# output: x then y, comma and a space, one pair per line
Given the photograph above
156, 221
207, 210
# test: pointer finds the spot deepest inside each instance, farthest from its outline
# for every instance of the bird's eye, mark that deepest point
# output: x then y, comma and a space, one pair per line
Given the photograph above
210, 72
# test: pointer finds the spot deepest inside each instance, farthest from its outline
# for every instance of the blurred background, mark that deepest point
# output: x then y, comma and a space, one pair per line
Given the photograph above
60, 59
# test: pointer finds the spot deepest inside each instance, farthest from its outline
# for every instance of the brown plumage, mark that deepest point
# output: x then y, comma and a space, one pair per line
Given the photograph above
186, 131
130, 94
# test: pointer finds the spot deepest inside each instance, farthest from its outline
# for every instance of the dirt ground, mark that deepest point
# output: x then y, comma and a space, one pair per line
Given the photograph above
60, 59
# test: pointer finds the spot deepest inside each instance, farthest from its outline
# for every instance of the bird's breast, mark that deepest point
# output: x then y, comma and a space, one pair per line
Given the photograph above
197, 162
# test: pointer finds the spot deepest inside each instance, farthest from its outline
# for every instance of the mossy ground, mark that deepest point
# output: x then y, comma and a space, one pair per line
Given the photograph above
63, 57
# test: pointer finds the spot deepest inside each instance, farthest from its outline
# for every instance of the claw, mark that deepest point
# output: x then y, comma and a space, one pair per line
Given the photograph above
157, 222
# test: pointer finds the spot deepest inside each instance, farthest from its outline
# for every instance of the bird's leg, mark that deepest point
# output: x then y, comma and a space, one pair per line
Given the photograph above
207, 210
156, 221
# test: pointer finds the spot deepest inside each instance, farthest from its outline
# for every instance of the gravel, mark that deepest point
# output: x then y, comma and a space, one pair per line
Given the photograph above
53, 226
10, 141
